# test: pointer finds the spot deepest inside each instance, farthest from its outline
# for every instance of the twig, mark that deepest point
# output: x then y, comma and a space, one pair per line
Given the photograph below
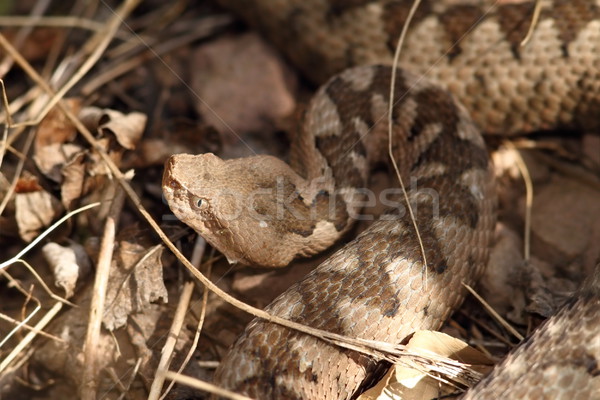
528, 199
493, 313
167, 350
31, 328
90, 372
44, 234
123, 65
42, 283
20, 324
196, 257
8, 119
103, 40
60, 22
31, 335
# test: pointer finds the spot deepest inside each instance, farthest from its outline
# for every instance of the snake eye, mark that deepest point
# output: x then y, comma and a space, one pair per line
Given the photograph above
199, 203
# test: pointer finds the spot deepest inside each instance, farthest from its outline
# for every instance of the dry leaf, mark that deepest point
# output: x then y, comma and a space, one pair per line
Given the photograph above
127, 128
68, 264
566, 224
135, 281
53, 147
235, 99
411, 384
34, 211
73, 178
504, 282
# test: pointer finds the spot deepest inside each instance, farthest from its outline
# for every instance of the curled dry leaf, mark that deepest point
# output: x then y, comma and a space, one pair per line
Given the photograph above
34, 211
68, 264
404, 383
126, 128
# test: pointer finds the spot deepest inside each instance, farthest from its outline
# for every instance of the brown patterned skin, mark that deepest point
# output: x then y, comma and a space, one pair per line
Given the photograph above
559, 361
377, 287
471, 50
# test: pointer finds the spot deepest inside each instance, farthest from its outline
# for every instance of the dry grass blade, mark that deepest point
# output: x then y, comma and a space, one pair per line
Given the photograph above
23, 324
31, 335
494, 314
392, 103
534, 20
24, 251
528, 199
62, 22
7, 124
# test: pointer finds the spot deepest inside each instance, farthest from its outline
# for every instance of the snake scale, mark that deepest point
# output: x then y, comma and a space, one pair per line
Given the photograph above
258, 210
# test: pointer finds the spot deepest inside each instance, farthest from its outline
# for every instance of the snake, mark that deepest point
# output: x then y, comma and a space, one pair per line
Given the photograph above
464, 69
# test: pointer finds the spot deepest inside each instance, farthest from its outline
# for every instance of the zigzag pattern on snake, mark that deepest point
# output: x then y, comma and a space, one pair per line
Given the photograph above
376, 286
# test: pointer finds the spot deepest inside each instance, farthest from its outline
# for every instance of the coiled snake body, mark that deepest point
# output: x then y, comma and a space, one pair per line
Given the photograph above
377, 286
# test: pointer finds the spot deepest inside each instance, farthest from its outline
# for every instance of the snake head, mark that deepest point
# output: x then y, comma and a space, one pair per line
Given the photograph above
250, 209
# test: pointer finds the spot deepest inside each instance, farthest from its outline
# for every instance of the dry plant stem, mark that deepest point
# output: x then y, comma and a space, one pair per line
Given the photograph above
409, 18
89, 376
98, 42
30, 328
194, 345
42, 236
208, 364
30, 336
534, 20
494, 314
59, 22
20, 324
359, 345
18, 169
486, 327
134, 373
39, 278
396, 59
90, 370
528, 200
167, 350
16, 105
147, 30
201, 385
115, 380
127, 63
3, 143
587, 177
